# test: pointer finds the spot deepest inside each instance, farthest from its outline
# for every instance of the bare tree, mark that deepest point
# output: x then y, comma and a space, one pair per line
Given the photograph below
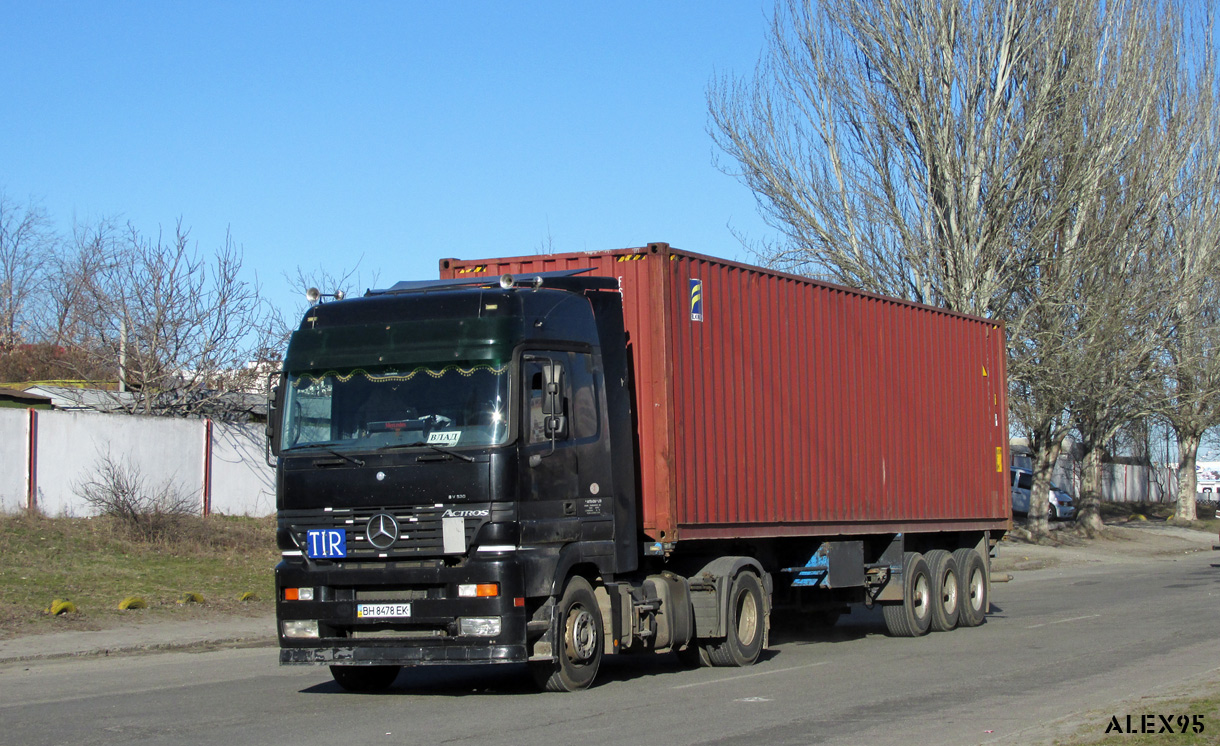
988, 156
70, 315
1190, 237
26, 241
892, 145
341, 283
178, 329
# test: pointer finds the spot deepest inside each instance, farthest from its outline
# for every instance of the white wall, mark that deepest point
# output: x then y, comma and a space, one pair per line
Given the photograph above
242, 482
71, 445
14, 442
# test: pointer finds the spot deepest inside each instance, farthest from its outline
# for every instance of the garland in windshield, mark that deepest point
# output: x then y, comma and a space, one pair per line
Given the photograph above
308, 379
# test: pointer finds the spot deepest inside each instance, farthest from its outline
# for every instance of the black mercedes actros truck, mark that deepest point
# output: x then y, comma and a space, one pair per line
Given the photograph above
544, 460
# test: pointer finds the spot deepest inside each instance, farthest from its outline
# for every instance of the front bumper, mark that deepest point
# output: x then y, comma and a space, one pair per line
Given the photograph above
431, 635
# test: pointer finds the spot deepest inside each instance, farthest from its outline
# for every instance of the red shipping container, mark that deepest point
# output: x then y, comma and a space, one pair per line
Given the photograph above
771, 404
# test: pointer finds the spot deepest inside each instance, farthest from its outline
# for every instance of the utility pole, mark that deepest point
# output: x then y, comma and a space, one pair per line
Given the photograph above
122, 355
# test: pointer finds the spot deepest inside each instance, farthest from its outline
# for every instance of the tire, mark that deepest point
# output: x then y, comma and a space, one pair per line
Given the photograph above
579, 638
912, 617
694, 655
946, 594
972, 579
745, 626
1052, 513
365, 678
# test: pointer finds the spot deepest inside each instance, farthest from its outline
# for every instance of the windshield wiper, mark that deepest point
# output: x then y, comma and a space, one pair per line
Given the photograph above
327, 447
433, 446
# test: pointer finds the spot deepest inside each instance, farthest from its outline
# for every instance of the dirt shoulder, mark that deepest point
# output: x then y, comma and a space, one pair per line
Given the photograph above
1126, 541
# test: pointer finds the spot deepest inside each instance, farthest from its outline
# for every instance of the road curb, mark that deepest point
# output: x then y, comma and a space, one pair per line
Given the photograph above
142, 639
168, 647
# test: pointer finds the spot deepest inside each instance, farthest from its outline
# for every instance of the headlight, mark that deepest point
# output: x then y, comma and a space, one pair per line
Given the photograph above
479, 626
300, 628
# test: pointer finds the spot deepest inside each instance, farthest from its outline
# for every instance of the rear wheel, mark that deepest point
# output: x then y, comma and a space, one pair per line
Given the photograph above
579, 640
972, 579
945, 589
913, 616
745, 625
364, 678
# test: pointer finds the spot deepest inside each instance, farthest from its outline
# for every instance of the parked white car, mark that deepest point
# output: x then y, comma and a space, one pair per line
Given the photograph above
1060, 505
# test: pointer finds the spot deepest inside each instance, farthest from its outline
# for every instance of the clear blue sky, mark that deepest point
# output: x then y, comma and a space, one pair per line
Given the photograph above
401, 131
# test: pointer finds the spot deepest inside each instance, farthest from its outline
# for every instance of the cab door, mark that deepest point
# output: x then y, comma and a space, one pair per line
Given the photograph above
565, 465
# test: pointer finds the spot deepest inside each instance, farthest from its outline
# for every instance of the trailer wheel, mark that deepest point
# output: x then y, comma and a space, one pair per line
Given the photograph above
364, 678
745, 625
945, 589
972, 577
580, 639
913, 615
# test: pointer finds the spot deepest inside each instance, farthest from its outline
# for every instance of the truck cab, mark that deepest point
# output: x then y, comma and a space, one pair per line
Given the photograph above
445, 458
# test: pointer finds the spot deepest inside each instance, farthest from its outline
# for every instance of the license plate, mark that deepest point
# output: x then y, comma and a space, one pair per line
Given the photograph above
383, 611
326, 543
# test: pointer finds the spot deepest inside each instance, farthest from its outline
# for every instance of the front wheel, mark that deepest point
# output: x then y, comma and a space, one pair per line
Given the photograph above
746, 624
579, 640
364, 678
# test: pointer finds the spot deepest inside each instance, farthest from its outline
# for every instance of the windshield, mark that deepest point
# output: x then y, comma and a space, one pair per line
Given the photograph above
448, 405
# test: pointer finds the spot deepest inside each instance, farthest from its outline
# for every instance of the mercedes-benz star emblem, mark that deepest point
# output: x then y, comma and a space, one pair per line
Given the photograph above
382, 531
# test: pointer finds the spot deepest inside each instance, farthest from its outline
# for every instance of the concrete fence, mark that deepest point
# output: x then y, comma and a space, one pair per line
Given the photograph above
46, 455
1119, 482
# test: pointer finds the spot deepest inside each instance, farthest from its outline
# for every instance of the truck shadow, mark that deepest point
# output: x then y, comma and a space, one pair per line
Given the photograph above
514, 679
509, 679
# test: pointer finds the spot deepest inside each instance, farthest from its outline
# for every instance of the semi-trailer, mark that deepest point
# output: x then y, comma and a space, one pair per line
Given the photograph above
549, 459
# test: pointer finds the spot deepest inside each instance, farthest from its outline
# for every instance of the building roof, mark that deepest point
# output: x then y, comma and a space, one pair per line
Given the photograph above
67, 397
19, 398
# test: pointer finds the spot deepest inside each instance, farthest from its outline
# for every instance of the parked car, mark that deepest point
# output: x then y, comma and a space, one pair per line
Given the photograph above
1060, 506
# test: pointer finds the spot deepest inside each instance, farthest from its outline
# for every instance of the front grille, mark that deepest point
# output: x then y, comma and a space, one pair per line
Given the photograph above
420, 531
399, 594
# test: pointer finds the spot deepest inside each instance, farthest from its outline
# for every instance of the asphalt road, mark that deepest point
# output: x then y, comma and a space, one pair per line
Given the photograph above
1061, 645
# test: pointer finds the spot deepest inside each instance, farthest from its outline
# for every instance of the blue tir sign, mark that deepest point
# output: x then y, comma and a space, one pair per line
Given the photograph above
326, 543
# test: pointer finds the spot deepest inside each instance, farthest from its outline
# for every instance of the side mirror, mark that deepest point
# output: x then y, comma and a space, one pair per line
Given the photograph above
275, 407
552, 399
555, 422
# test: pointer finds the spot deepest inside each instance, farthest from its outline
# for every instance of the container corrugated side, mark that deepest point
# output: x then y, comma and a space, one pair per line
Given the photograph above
778, 405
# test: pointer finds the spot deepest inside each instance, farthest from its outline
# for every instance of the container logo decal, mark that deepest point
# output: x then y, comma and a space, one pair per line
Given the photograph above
696, 300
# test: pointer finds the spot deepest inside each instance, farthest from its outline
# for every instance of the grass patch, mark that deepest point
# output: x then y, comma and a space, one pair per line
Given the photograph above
1132, 512
1204, 705
96, 562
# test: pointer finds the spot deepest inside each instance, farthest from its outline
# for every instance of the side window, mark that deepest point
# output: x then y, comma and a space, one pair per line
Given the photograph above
584, 396
536, 377
535, 387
